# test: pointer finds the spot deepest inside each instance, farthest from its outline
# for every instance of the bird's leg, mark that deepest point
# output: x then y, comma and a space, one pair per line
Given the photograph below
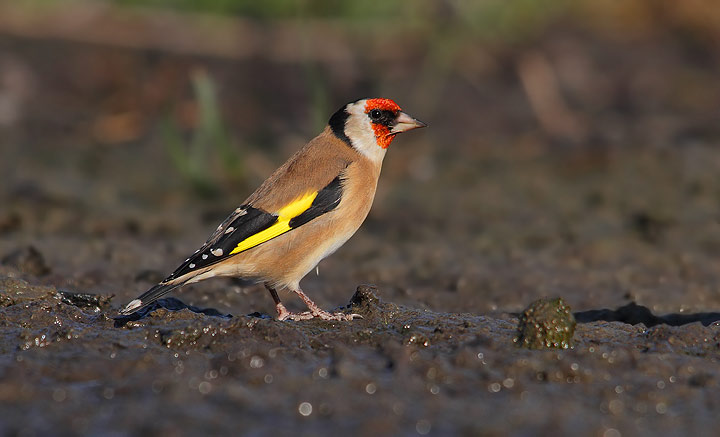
316, 311
283, 313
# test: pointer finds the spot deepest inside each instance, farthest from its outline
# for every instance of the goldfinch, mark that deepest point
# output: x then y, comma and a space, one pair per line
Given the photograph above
302, 213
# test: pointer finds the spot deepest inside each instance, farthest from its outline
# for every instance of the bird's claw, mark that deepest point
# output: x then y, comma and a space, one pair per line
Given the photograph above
322, 315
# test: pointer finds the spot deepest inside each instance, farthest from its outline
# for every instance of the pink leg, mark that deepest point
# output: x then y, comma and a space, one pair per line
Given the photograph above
283, 313
315, 311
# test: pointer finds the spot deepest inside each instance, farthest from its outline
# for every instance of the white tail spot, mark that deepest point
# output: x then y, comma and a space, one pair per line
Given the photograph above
192, 266
204, 256
229, 230
132, 305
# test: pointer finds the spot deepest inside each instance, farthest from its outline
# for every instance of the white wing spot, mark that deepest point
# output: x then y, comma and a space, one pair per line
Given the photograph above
240, 211
219, 228
229, 230
192, 266
132, 305
204, 256
187, 259
217, 252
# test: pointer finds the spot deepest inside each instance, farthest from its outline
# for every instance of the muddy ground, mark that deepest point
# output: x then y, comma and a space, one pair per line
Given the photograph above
477, 216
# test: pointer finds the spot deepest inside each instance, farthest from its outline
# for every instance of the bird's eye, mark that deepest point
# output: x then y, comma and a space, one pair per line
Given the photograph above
375, 114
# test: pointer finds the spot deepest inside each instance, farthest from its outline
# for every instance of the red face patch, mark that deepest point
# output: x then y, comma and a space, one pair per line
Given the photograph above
381, 104
382, 135
382, 132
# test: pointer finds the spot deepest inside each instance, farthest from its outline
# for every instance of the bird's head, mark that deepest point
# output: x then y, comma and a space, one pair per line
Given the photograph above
370, 125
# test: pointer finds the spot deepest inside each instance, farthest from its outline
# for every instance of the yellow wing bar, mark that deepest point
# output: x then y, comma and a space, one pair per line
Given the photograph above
287, 213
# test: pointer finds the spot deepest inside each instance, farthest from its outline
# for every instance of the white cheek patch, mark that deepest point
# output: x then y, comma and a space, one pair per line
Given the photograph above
359, 129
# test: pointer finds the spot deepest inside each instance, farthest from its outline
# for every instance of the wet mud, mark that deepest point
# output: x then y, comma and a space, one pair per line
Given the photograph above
70, 363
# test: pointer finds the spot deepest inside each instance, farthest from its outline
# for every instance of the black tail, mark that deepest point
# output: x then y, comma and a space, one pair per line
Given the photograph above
148, 297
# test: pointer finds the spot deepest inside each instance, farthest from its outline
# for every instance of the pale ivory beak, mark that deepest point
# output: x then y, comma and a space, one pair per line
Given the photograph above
404, 123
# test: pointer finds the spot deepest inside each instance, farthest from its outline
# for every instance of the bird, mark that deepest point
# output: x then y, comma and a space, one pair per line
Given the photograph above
306, 210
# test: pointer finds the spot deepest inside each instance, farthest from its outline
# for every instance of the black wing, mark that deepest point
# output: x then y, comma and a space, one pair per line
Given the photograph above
241, 224
326, 200
247, 221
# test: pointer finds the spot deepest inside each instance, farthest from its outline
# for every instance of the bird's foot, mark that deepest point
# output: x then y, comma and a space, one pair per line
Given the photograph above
315, 311
320, 314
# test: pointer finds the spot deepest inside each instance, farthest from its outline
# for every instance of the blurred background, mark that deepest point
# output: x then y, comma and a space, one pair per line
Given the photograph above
572, 146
